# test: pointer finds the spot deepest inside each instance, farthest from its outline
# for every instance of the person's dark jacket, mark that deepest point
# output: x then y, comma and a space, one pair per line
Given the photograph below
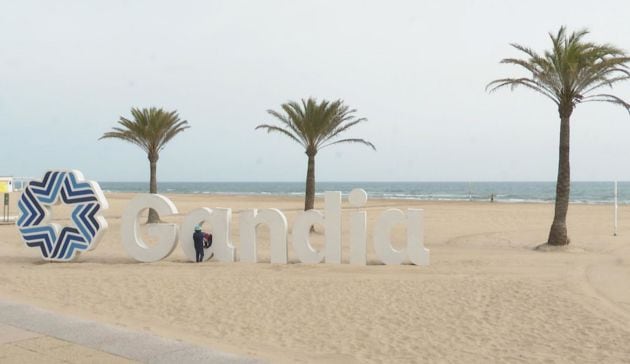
198, 239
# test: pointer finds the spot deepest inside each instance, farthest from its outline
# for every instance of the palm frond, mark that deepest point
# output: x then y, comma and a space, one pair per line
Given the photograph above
351, 140
612, 99
273, 128
513, 83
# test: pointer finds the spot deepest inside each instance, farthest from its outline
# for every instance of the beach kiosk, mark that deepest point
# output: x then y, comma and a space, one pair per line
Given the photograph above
6, 184
6, 187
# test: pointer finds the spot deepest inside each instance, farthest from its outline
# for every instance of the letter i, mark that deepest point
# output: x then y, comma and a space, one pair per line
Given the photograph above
358, 228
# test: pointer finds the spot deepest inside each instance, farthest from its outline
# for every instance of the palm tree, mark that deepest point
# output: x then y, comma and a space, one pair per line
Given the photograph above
314, 126
150, 129
572, 72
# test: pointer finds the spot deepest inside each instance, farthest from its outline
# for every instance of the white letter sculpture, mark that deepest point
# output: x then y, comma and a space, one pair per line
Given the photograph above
418, 254
415, 250
277, 223
332, 226
222, 246
358, 227
131, 239
87, 226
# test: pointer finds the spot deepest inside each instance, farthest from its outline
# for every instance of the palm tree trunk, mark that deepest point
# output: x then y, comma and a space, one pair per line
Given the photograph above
153, 215
558, 232
309, 198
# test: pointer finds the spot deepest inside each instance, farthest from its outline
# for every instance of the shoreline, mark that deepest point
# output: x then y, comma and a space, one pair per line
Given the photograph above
320, 195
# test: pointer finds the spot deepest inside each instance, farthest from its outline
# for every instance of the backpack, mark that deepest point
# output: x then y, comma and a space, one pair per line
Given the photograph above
207, 240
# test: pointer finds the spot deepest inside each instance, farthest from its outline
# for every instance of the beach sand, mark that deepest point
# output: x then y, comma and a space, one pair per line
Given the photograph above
486, 297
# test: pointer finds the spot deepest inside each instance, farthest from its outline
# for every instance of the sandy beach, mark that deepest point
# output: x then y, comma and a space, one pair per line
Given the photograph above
487, 295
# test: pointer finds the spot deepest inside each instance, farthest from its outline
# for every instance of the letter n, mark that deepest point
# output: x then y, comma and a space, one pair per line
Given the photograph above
277, 223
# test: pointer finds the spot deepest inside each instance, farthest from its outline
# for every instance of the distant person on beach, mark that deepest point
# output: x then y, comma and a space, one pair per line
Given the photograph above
198, 237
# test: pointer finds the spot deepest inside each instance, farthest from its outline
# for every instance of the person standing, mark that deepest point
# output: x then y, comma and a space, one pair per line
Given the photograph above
198, 236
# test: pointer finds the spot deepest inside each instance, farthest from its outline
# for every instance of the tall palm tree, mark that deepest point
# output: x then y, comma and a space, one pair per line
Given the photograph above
150, 129
315, 126
572, 72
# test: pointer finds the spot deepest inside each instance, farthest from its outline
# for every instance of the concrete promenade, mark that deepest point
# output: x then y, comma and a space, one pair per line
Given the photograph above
32, 335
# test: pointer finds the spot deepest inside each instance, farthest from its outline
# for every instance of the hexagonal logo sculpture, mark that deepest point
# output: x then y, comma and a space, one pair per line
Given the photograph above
58, 243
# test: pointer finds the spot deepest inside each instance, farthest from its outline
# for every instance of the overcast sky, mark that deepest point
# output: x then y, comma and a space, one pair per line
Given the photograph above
416, 69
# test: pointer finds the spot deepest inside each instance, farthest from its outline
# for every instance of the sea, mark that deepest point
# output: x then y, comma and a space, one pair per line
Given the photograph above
505, 192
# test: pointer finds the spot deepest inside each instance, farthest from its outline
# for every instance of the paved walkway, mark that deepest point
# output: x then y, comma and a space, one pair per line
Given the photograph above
32, 335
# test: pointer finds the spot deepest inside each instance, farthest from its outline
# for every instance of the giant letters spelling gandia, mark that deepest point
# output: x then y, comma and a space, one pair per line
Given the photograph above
87, 226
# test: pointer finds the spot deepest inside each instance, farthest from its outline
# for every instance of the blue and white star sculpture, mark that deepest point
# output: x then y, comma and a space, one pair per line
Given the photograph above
57, 243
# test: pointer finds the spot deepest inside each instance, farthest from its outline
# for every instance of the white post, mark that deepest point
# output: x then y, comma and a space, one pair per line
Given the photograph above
616, 208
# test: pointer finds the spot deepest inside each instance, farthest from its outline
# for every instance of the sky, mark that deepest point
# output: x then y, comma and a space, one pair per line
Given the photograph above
417, 70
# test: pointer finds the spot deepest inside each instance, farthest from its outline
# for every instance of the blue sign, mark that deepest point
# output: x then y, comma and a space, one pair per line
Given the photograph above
58, 243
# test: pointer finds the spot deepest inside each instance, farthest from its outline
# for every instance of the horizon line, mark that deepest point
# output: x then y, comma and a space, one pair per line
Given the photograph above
373, 181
